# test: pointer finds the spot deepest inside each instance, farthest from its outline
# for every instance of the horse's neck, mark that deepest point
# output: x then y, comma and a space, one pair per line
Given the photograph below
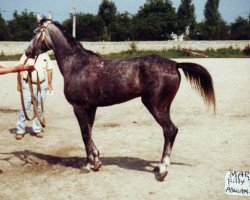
67, 54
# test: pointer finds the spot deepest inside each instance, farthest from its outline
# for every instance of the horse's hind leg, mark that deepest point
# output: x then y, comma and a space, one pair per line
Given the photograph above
162, 116
158, 101
85, 117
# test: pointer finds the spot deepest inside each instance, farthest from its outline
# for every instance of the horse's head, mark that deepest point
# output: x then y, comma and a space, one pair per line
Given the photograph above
41, 41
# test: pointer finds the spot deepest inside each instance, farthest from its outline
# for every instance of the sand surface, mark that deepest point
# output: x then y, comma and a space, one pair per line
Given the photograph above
130, 143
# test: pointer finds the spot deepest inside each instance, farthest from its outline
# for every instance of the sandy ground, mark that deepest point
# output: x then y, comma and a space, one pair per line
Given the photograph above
131, 143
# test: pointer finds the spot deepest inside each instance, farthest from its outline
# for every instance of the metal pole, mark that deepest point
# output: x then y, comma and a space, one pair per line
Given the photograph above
74, 20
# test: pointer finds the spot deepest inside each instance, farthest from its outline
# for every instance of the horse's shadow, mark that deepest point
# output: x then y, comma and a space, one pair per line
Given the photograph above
77, 162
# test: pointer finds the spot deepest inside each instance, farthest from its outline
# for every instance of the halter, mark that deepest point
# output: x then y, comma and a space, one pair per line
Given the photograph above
42, 36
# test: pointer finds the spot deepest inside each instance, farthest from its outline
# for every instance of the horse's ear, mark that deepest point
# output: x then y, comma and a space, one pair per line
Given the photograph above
50, 16
38, 18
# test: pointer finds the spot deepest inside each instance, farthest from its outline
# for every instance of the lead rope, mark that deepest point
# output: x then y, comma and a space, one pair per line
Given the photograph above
21, 94
35, 102
41, 117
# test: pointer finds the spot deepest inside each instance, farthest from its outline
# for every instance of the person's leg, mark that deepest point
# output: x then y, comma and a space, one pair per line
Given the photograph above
21, 122
36, 126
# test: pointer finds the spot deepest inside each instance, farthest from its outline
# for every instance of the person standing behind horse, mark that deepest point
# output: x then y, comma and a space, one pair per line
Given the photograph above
44, 69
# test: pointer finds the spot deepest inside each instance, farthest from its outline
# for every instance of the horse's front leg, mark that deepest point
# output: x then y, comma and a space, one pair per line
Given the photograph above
85, 116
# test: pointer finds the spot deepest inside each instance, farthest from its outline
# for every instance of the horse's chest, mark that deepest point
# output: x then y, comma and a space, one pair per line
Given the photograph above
74, 91
81, 91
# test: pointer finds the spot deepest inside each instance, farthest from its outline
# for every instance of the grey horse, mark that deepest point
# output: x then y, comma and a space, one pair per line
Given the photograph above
91, 81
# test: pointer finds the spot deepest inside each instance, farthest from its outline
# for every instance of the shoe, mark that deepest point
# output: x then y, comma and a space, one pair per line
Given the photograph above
19, 136
39, 135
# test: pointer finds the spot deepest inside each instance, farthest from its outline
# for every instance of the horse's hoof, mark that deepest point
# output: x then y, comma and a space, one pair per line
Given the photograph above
85, 169
97, 165
160, 176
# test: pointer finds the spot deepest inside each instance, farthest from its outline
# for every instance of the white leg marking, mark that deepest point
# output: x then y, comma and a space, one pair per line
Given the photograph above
164, 166
166, 161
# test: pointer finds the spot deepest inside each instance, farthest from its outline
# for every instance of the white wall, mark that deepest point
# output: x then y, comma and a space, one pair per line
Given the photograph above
12, 48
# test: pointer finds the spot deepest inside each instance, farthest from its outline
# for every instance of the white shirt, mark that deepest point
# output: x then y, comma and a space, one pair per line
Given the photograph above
42, 65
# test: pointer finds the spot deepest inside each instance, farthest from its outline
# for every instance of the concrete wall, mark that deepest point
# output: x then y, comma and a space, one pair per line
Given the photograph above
12, 48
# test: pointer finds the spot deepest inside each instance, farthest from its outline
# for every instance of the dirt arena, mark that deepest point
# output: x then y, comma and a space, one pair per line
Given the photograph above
131, 143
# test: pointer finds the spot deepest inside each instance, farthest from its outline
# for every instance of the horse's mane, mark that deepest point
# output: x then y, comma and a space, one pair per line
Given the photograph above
71, 40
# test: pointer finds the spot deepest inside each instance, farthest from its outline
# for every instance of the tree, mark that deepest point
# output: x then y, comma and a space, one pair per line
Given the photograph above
121, 27
107, 11
197, 32
3, 29
215, 28
211, 12
240, 29
155, 20
89, 27
186, 16
22, 25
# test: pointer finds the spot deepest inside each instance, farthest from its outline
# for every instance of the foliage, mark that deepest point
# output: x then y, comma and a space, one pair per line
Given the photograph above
133, 47
186, 16
173, 53
9, 57
214, 27
22, 25
121, 27
3, 29
211, 12
156, 20
246, 50
89, 27
107, 12
225, 53
240, 29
